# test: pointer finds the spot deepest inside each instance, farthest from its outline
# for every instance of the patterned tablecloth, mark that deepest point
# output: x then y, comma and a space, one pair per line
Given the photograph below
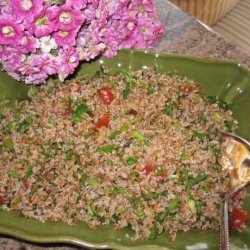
184, 35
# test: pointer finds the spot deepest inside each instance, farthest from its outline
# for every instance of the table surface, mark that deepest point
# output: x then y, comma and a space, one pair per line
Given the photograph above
184, 35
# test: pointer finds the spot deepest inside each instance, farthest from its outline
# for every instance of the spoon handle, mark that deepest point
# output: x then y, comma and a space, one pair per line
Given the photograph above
224, 228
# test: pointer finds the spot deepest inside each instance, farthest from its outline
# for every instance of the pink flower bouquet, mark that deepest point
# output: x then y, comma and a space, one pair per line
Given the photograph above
39, 38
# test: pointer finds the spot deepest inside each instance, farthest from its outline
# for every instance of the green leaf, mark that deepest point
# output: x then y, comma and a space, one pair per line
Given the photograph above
28, 172
107, 149
8, 143
1, 149
154, 233
132, 160
13, 173
83, 179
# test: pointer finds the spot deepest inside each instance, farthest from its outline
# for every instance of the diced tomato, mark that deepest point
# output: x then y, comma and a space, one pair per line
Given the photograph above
105, 94
164, 174
102, 122
235, 196
2, 200
239, 217
148, 170
188, 89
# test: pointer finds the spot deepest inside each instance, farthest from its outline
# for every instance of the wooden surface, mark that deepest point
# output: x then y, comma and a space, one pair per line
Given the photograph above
208, 11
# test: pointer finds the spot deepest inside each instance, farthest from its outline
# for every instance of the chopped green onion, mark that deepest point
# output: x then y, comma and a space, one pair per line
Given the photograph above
114, 134
202, 118
8, 143
69, 154
160, 217
126, 90
154, 195
173, 205
13, 173
23, 126
91, 210
88, 134
183, 155
138, 136
28, 172
151, 90
217, 167
176, 124
83, 179
201, 136
217, 117
139, 213
107, 149
169, 110
215, 151
191, 204
52, 122
132, 160
229, 125
195, 180
9, 127
154, 233
93, 181
117, 191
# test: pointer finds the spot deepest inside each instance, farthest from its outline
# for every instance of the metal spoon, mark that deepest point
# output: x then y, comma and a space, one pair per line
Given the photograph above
235, 160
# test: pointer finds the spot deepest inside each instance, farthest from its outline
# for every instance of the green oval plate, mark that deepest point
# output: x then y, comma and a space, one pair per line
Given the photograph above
225, 79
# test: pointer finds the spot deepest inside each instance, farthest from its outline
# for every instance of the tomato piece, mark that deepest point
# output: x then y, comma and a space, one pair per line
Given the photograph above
148, 169
239, 217
2, 200
105, 94
102, 122
235, 196
189, 89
